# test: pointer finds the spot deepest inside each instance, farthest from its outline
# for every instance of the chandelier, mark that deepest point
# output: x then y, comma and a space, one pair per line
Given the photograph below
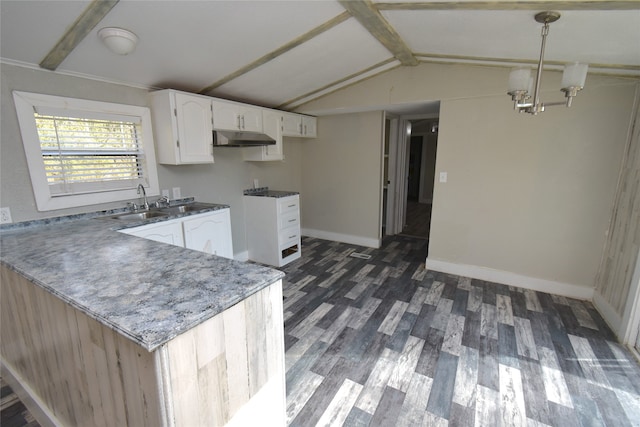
521, 82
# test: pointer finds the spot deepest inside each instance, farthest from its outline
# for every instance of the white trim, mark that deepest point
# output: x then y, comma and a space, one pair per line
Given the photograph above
28, 397
344, 238
512, 279
36, 67
25, 103
608, 313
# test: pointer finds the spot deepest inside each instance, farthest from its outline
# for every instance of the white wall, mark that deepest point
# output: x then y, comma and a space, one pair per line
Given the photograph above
528, 199
342, 179
221, 182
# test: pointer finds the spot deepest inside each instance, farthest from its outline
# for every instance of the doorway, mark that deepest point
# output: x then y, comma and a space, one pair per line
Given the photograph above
421, 163
395, 205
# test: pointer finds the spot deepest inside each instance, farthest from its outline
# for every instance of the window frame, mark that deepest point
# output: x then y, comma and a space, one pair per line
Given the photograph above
27, 103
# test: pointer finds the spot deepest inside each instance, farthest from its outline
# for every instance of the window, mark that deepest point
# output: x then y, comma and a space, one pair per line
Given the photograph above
83, 152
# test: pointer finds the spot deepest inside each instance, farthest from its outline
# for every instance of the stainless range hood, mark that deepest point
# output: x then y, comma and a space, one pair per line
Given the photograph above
223, 138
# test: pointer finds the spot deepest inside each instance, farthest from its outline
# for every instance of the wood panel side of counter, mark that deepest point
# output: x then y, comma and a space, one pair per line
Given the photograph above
80, 371
230, 368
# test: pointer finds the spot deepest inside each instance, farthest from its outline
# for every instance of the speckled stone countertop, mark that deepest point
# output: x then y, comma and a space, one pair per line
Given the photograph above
265, 192
148, 291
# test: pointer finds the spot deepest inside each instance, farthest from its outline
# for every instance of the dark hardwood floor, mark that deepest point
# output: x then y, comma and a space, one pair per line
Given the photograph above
418, 220
384, 342
12, 411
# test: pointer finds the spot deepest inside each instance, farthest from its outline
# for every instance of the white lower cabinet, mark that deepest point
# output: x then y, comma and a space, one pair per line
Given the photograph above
166, 232
208, 232
273, 229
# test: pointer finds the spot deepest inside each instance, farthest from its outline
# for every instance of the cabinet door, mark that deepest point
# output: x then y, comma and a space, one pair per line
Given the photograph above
291, 124
226, 115
309, 127
271, 122
166, 232
195, 137
251, 118
210, 233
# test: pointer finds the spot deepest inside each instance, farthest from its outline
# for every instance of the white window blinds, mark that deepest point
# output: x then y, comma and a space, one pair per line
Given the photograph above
85, 152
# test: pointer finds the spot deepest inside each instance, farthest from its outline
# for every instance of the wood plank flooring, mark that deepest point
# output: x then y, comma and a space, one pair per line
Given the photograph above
382, 342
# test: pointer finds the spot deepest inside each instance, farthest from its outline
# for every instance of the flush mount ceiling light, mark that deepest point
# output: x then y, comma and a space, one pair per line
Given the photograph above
118, 40
520, 80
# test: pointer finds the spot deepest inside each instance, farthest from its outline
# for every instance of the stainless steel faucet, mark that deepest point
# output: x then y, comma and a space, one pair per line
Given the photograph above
145, 205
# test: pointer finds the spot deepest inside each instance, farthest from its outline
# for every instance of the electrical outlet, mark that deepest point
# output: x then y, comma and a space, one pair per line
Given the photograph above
443, 177
165, 193
256, 183
5, 216
176, 193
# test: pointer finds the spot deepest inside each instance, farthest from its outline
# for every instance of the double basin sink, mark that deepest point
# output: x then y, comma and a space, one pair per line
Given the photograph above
159, 212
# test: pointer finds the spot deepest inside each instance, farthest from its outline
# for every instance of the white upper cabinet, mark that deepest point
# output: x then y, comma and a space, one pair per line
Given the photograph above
298, 125
182, 125
265, 153
228, 115
309, 127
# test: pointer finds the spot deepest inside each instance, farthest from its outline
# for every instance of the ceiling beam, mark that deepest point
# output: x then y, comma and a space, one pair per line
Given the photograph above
273, 54
336, 83
513, 5
436, 57
76, 32
367, 14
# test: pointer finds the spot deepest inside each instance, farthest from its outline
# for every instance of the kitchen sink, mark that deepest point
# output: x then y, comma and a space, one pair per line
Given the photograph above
137, 216
159, 212
190, 207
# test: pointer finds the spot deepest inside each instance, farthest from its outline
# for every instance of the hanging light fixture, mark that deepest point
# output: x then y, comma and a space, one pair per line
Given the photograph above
521, 82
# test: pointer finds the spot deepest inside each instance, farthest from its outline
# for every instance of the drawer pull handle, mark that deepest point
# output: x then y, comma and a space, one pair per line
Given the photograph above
291, 237
292, 220
290, 206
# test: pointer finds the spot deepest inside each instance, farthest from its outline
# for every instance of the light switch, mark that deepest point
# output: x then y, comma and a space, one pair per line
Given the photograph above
443, 177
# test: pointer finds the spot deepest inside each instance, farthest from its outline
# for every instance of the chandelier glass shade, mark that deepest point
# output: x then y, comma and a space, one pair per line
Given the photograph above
525, 89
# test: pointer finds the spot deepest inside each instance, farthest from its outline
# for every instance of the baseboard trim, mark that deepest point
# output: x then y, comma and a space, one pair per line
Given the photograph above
344, 238
609, 314
512, 279
28, 397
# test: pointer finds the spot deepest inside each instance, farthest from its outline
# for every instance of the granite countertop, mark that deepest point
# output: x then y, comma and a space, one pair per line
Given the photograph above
148, 291
266, 192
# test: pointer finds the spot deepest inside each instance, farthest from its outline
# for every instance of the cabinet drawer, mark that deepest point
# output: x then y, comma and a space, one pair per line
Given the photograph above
287, 220
288, 235
288, 205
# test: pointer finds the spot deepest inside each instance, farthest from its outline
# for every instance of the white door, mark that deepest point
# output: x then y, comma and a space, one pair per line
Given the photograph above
193, 115
210, 233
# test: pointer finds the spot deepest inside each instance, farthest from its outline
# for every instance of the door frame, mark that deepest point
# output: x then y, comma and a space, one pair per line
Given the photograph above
399, 146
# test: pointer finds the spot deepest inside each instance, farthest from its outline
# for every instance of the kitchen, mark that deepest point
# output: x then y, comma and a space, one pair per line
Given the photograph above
494, 211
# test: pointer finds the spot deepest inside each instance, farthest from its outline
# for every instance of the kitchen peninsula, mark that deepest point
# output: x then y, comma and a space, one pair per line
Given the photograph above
104, 328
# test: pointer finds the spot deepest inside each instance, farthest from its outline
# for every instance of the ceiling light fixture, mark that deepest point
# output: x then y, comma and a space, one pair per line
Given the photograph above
118, 40
521, 82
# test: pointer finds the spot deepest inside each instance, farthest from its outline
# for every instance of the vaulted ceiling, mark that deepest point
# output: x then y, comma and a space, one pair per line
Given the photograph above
285, 53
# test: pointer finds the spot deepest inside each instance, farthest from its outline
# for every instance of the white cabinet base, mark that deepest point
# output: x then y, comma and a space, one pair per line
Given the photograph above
273, 229
208, 232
